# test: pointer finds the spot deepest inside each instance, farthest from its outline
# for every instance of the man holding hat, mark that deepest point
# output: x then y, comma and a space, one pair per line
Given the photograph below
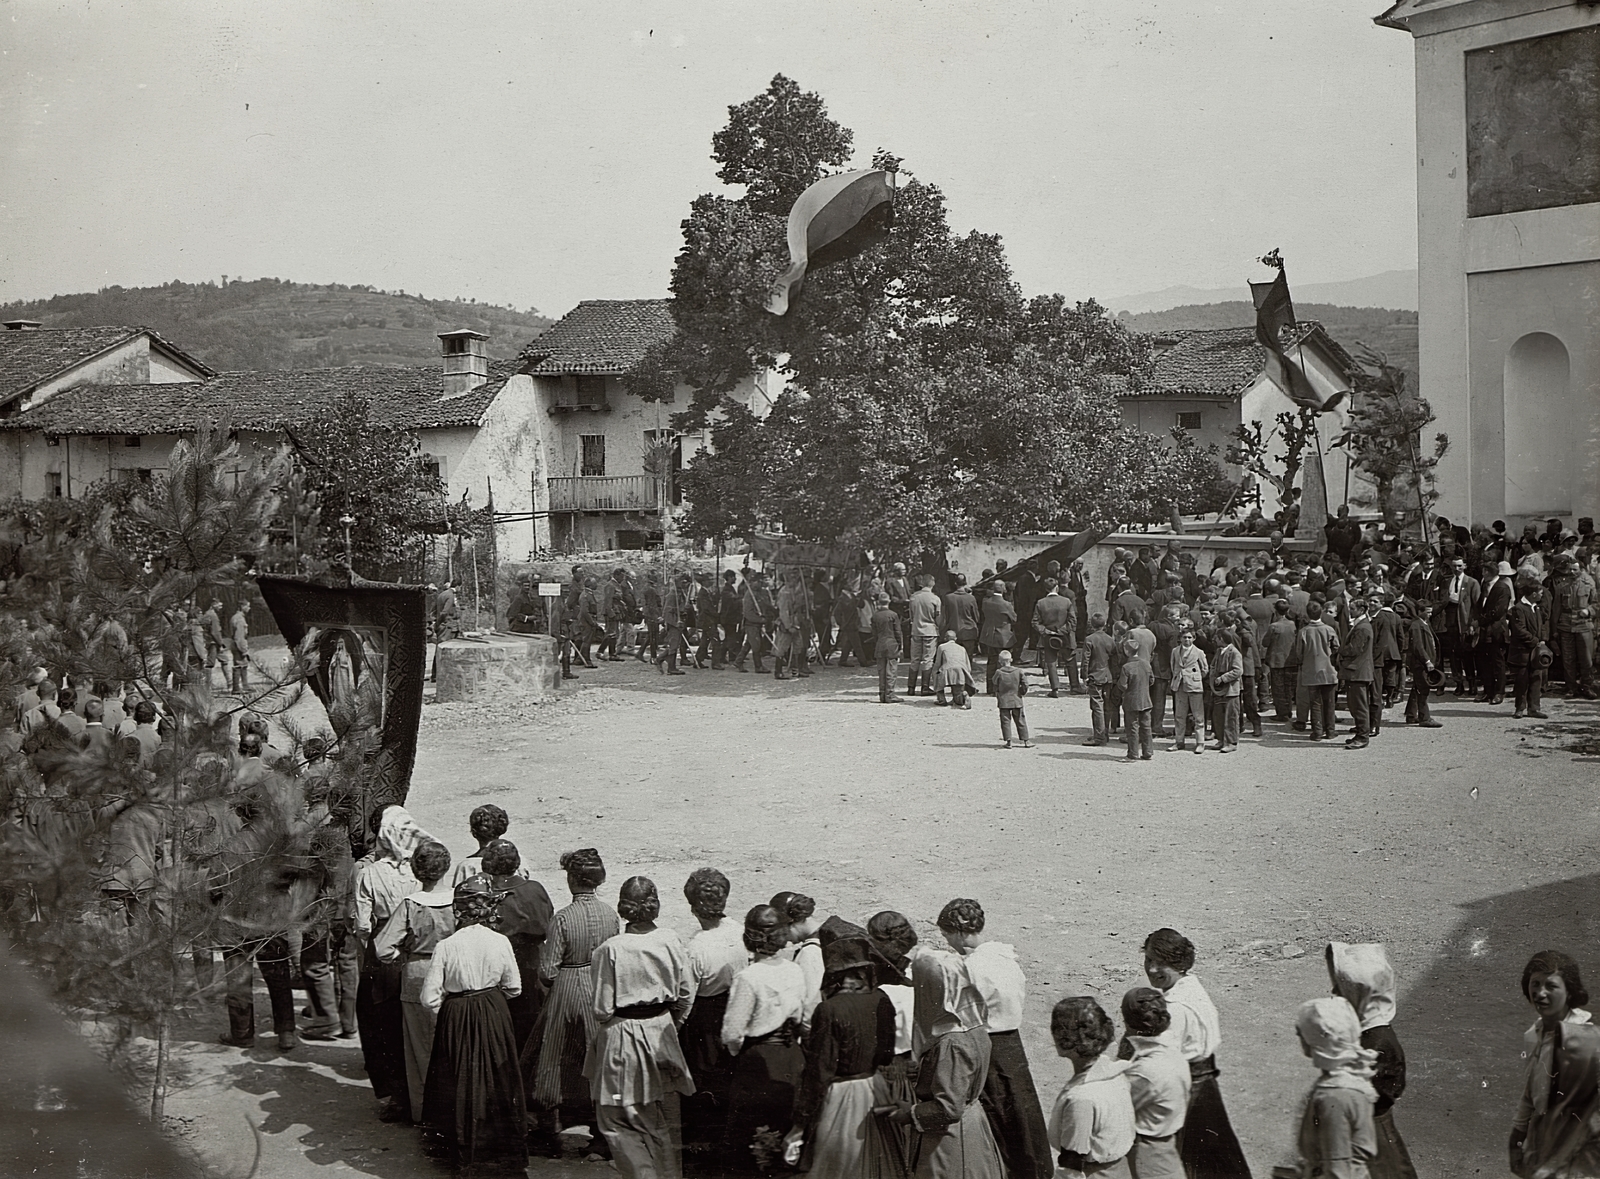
1054, 626
1523, 656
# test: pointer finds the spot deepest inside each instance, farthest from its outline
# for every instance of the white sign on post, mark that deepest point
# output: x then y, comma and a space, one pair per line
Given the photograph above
549, 589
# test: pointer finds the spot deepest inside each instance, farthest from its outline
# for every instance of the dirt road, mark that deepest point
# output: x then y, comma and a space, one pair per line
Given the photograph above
1464, 848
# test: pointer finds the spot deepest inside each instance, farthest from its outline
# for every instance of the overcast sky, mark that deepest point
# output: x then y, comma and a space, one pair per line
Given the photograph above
537, 154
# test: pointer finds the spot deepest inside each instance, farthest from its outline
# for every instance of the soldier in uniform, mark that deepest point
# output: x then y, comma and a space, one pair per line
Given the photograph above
1573, 603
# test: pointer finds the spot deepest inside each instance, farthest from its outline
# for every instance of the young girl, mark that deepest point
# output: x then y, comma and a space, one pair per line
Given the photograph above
1336, 1133
422, 921
1158, 1077
1551, 1137
1092, 1125
1362, 976
1209, 1147
643, 989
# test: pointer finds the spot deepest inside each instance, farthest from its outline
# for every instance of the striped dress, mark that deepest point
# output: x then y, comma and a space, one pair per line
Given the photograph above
567, 1021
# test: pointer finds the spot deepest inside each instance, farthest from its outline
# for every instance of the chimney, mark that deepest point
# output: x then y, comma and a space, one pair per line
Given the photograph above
466, 361
23, 325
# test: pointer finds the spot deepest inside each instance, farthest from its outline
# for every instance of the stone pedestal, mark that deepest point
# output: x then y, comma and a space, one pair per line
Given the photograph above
496, 666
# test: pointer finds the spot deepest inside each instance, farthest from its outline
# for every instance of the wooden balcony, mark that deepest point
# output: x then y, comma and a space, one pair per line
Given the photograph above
605, 493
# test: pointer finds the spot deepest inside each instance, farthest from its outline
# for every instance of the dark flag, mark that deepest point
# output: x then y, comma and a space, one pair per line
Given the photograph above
1274, 313
836, 218
379, 632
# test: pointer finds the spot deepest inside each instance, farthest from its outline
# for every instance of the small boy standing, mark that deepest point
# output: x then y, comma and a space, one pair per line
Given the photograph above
1009, 689
1133, 685
1096, 654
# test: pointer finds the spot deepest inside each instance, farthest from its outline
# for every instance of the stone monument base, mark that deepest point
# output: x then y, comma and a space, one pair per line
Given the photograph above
497, 665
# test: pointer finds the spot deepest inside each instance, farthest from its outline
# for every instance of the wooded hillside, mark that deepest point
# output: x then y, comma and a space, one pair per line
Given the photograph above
267, 323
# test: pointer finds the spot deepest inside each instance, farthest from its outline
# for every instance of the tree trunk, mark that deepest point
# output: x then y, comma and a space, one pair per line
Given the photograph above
158, 1091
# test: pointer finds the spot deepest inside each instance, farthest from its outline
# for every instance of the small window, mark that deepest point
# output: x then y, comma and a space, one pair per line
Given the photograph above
52, 439
132, 440
55, 484
1189, 421
432, 467
591, 390
594, 453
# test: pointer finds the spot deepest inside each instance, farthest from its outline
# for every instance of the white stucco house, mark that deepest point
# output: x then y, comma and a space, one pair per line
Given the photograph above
1508, 250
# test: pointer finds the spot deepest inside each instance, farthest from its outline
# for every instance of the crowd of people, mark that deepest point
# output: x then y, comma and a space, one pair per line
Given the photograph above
496, 1023
1293, 635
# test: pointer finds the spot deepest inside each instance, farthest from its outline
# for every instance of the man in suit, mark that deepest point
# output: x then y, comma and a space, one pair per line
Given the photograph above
1053, 628
1097, 675
1355, 665
1494, 633
1282, 668
961, 615
996, 631
1422, 651
1125, 604
1527, 622
1455, 620
1319, 648
1388, 648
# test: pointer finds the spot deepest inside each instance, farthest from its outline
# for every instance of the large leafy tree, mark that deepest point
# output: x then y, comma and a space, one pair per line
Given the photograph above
927, 398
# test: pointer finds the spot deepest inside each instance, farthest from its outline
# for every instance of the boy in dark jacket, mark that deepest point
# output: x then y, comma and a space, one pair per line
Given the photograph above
1009, 689
1421, 651
1133, 685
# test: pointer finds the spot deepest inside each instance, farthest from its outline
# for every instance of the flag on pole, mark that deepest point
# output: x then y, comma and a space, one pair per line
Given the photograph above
1274, 313
836, 218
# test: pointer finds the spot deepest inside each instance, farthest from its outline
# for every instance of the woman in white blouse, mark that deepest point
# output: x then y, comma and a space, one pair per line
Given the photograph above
767, 1011
473, 1103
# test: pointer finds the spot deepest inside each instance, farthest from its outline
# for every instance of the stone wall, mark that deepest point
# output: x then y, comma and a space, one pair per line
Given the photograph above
497, 666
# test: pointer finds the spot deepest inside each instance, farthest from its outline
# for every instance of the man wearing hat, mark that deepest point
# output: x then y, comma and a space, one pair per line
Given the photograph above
1055, 627
1573, 606
1494, 633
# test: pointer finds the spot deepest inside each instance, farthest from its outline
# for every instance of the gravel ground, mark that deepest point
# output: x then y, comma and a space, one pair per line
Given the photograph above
1464, 848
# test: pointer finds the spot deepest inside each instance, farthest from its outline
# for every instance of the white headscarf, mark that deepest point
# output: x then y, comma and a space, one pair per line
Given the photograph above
946, 1000
1362, 974
398, 834
1329, 1028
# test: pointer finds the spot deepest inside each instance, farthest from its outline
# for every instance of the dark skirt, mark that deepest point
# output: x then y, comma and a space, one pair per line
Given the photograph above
706, 1112
380, 1022
1012, 1105
1209, 1148
474, 1100
766, 1075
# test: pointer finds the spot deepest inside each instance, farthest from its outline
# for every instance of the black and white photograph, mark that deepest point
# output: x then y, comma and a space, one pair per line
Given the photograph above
634, 590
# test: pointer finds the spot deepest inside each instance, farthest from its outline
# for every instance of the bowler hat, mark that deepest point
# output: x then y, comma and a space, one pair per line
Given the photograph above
1434, 677
1055, 642
1543, 656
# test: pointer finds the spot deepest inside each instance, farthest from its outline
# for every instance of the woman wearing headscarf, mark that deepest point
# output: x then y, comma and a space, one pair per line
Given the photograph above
423, 920
1009, 1096
953, 1140
383, 881
1362, 976
1553, 1136
1336, 1134
474, 1109
554, 1055
851, 1038
767, 1014
716, 954
1208, 1145
643, 989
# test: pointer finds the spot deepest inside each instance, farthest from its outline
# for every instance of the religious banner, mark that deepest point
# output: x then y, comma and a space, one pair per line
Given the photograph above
365, 632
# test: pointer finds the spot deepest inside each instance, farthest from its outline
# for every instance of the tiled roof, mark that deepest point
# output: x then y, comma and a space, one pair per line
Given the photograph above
1220, 362
30, 358
600, 336
407, 397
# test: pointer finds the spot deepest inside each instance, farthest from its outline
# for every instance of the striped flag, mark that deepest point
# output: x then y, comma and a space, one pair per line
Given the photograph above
836, 218
1274, 313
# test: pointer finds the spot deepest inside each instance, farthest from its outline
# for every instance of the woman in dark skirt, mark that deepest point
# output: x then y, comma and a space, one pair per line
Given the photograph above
524, 917
473, 1103
1208, 1145
762, 1027
716, 954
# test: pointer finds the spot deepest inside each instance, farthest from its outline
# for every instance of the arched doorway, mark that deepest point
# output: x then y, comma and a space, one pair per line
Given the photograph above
1541, 427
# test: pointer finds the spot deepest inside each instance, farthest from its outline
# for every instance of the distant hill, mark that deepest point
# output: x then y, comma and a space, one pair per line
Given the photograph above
1392, 288
267, 323
1393, 333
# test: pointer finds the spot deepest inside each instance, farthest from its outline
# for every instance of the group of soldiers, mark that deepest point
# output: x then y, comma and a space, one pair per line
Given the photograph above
201, 641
